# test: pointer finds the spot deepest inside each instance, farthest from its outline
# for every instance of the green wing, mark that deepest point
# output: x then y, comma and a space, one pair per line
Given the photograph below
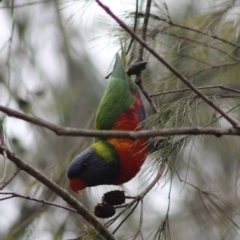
117, 98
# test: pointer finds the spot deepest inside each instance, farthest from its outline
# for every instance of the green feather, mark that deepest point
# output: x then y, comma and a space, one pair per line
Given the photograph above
117, 97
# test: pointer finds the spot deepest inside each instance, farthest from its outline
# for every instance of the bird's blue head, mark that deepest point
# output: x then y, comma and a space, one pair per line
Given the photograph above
89, 169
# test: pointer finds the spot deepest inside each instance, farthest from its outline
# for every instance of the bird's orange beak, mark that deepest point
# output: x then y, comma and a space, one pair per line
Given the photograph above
77, 184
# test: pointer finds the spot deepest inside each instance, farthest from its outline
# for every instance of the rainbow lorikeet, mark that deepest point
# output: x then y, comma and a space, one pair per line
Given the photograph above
113, 160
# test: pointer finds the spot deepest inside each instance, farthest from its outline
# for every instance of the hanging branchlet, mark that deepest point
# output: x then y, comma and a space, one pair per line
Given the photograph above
185, 111
2, 141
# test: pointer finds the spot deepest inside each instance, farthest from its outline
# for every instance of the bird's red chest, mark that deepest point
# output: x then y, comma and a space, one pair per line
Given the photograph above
132, 153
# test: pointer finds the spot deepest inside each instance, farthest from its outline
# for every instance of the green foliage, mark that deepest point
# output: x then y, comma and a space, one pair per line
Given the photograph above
168, 154
187, 111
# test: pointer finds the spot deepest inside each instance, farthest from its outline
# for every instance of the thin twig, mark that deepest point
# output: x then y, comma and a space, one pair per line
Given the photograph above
140, 222
202, 43
5, 162
137, 198
5, 166
174, 24
3, 184
201, 88
216, 95
214, 36
216, 119
190, 39
165, 223
169, 196
16, 195
147, 96
188, 183
191, 74
144, 29
25, 4
2, 141
11, 36
134, 27
191, 57
75, 132
128, 215
6, 198
195, 41
169, 66
8, 60
62, 193
138, 79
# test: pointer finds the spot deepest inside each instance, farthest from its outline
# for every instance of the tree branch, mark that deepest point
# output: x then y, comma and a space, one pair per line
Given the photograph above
194, 73
139, 197
214, 36
201, 88
2, 140
202, 43
144, 29
29, 4
75, 132
16, 195
171, 23
3, 184
138, 79
134, 27
88, 216
140, 222
169, 66
145, 93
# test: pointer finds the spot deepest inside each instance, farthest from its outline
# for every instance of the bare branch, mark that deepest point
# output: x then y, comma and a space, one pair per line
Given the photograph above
216, 95
3, 184
169, 66
216, 119
134, 27
193, 40
214, 36
88, 216
5, 166
2, 141
128, 215
147, 96
137, 198
138, 79
201, 88
140, 222
16, 195
144, 28
5, 162
65, 131
202, 43
25, 4
194, 73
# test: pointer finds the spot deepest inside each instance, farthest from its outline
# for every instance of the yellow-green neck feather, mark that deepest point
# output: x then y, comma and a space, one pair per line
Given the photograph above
105, 150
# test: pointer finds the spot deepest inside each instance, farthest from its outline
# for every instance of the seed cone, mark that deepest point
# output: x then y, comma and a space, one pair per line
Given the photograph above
104, 210
115, 197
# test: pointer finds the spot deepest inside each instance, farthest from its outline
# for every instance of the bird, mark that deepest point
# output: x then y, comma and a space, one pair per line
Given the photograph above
110, 160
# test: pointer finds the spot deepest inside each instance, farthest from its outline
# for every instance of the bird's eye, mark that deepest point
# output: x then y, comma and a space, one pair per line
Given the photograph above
85, 165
